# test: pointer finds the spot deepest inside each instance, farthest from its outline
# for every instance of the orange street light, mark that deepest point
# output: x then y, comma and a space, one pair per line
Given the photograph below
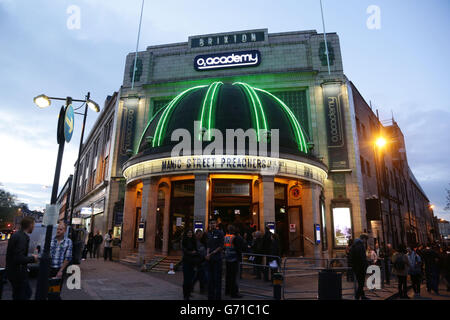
380, 142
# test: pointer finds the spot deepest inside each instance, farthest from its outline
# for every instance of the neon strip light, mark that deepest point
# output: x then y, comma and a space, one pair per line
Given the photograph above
210, 95
212, 103
300, 136
148, 125
255, 111
160, 129
262, 114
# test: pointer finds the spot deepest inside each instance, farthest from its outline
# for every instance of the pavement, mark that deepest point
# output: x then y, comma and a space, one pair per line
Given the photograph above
111, 280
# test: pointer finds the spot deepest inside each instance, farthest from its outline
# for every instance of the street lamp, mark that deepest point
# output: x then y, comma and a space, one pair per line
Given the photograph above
379, 144
64, 133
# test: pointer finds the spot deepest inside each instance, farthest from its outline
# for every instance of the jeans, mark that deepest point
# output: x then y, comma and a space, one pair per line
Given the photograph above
97, 252
107, 252
21, 289
402, 286
416, 280
231, 285
188, 279
201, 275
360, 278
215, 279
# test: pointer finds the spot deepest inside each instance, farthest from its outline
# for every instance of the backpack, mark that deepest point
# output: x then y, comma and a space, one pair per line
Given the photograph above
399, 263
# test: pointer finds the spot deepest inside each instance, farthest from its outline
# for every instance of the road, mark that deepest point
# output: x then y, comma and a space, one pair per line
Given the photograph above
3, 245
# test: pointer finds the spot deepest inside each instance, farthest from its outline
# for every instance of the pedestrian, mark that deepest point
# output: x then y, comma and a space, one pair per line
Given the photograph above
257, 249
267, 248
201, 274
415, 270
214, 257
371, 256
275, 251
190, 260
431, 260
350, 277
400, 267
446, 268
61, 255
90, 244
359, 264
233, 246
17, 259
98, 240
107, 250
387, 256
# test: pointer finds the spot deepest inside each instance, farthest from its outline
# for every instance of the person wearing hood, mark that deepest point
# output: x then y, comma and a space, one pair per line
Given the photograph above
358, 259
400, 269
415, 270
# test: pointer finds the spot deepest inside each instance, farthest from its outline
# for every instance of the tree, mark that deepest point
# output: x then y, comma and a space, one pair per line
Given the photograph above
8, 208
7, 200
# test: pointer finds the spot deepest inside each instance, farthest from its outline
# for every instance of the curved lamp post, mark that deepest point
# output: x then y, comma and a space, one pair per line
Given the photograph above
43, 101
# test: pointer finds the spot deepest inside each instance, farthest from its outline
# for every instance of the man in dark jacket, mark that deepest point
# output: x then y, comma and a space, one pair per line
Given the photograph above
98, 240
17, 259
359, 264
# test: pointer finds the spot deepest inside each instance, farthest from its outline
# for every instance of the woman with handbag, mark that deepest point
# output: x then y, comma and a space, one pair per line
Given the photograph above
190, 260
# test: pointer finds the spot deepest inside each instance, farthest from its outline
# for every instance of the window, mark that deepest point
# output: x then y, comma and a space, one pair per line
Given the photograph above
363, 170
368, 168
297, 101
363, 131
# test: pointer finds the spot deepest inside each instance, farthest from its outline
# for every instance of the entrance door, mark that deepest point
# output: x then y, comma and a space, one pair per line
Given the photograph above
237, 214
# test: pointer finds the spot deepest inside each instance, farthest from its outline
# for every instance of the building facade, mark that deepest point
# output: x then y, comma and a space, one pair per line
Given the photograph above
92, 206
398, 210
167, 173
63, 200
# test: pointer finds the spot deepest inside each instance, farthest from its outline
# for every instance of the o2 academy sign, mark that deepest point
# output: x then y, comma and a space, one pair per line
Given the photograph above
250, 58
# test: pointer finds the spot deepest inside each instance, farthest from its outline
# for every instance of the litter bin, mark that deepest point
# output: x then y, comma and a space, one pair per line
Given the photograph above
330, 285
2, 280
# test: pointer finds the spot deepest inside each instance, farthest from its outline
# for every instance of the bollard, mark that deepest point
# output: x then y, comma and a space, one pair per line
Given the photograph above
277, 281
54, 288
2, 275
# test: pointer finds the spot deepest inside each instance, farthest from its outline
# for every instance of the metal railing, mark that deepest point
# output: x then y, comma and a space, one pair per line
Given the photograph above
306, 272
259, 291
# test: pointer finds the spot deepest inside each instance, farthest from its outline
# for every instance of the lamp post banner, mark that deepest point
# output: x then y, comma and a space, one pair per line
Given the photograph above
69, 120
335, 125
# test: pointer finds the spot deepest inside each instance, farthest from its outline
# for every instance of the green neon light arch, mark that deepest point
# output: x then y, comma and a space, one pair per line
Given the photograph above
298, 131
257, 108
162, 123
208, 113
208, 108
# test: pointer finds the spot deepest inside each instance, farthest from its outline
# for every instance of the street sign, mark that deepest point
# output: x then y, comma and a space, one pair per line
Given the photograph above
50, 215
68, 123
292, 227
198, 225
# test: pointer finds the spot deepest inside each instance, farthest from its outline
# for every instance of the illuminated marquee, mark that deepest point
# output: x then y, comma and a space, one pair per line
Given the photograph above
250, 58
226, 163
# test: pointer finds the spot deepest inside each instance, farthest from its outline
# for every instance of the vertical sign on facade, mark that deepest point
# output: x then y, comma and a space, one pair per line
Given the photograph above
335, 125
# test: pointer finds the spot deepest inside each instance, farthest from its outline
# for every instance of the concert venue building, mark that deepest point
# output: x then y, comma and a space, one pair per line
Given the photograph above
312, 178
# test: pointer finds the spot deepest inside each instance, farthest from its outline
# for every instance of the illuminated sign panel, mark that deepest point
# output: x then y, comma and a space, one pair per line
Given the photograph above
250, 58
232, 38
226, 163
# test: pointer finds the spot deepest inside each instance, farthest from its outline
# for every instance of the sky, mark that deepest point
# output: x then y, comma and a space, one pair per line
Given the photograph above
401, 68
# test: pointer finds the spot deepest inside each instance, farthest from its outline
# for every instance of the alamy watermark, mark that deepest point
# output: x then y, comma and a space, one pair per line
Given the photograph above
374, 20
74, 20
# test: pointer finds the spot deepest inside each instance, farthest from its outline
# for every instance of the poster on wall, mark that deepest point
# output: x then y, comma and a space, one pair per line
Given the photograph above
342, 226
